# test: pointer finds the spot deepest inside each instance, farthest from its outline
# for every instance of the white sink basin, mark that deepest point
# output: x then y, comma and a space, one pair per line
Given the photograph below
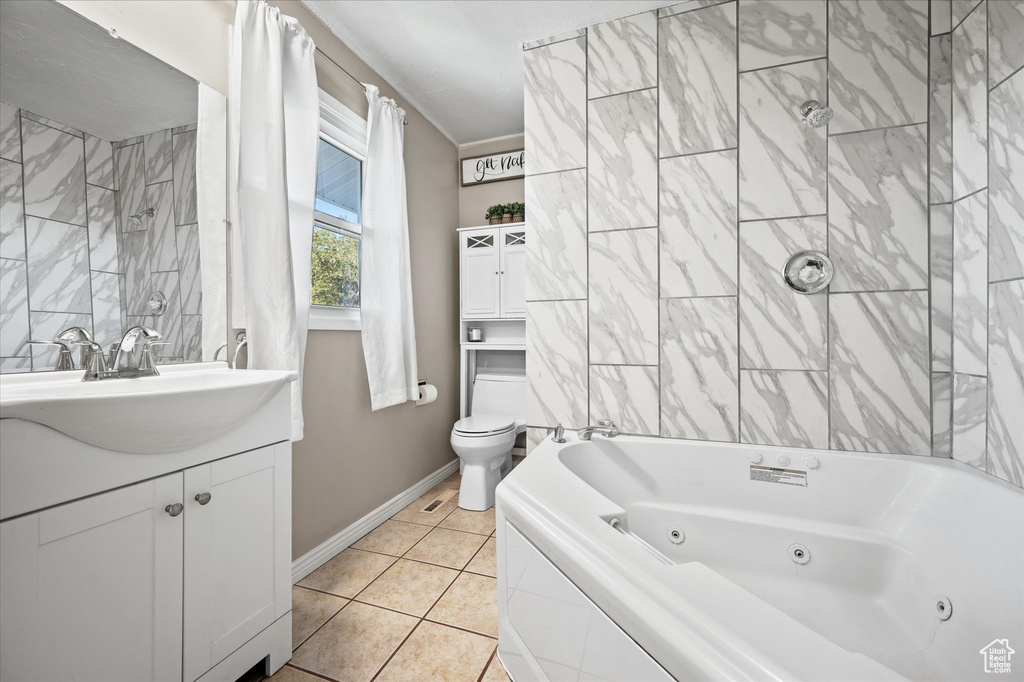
185, 406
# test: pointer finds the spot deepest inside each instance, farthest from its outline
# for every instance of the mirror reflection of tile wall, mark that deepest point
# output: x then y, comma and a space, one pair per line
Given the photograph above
70, 256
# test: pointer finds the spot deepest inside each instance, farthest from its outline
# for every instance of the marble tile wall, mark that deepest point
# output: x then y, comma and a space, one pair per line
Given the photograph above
64, 240
655, 296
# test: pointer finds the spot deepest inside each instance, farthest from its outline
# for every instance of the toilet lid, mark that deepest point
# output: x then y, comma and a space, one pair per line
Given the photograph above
485, 423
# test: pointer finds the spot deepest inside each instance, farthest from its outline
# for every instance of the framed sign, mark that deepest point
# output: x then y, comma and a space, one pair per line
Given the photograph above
478, 170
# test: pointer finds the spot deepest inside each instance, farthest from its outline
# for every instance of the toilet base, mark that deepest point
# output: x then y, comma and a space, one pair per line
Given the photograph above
476, 492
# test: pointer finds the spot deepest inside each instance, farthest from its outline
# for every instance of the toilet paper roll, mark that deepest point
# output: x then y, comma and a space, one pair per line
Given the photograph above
428, 394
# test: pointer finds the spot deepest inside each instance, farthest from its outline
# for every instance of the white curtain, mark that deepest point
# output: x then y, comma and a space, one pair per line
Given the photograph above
389, 337
274, 115
211, 184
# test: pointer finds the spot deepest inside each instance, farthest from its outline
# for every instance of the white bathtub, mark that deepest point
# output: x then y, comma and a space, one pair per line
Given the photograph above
888, 538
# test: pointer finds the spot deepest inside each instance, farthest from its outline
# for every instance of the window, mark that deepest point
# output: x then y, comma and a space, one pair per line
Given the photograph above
337, 218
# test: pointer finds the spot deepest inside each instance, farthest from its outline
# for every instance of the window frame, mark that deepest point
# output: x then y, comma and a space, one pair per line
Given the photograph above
346, 130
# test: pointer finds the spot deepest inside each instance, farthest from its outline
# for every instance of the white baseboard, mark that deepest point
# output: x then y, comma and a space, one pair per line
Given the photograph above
327, 550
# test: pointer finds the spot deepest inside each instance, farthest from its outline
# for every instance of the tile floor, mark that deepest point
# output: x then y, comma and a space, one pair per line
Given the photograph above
414, 599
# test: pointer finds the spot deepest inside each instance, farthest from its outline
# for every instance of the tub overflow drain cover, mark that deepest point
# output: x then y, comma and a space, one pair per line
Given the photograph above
943, 607
799, 554
675, 535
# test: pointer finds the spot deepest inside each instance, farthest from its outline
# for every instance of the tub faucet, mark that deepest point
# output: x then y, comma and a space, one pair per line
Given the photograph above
605, 427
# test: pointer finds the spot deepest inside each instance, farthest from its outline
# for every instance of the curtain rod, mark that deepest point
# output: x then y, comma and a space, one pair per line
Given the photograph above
339, 67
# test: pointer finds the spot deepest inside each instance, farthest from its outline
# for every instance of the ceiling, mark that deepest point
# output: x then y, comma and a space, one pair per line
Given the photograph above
57, 64
460, 63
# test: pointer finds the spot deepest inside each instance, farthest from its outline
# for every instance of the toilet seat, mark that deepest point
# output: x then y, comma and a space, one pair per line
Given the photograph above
484, 425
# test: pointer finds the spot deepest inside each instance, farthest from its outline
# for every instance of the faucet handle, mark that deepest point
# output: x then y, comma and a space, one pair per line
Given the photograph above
64, 360
605, 422
147, 365
94, 362
559, 435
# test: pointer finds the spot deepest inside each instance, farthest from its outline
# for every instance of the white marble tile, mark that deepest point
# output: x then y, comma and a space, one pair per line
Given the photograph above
13, 307
102, 229
774, 32
162, 250
131, 182
697, 77
961, 8
942, 414
628, 395
192, 338
699, 369
15, 365
12, 211
158, 156
10, 133
1005, 39
941, 16
879, 378
779, 328
970, 395
622, 55
878, 209
687, 6
51, 123
1006, 179
782, 161
878, 63
784, 408
188, 266
556, 363
940, 119
47, 326
623, 304
555, 106
970, 104
1006, 381
58, 266
184, 163
556, 248
106, 308
99, 162
942, 287
698, 225
534, 437
169, 323
54, 171
541, 42
970, 291
135, 262
622, 170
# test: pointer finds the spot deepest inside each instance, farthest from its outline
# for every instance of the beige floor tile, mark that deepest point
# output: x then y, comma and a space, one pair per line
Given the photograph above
414, 512
290, 674
348, 573
470, 603
495, 672
355, 644
392, 537
481, 523
436, 652
409, 587
445, 547
486, 560
310, 610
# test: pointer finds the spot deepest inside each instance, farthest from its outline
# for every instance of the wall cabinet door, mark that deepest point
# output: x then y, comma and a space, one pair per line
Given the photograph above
92, 590
480, 268
237, 552
513, 272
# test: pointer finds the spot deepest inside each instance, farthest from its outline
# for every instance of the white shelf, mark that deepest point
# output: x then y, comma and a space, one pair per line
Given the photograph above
484, 345
482, 227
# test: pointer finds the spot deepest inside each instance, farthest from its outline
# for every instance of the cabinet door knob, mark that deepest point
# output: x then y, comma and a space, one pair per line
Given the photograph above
174, 509
203, 498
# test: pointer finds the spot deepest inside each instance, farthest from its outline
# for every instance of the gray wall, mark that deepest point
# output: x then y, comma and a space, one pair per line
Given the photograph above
476, 199
670, 178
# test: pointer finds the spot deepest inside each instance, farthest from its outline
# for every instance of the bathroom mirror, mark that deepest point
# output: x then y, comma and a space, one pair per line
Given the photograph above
100, 226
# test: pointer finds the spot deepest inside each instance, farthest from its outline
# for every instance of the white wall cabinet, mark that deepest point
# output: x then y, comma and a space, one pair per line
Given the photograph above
493, 272
103, 588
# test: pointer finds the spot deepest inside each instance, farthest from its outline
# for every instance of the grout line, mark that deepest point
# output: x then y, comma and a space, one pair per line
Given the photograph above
930, 353
988, 216
828, 232
488, 665
777, 66
1015, 72
458, 627
552, 172
739, 247
875, 130
707, 151
791, 217
289, 664
618, 94
321, 626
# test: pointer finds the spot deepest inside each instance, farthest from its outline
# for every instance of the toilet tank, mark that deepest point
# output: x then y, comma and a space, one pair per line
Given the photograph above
499, 394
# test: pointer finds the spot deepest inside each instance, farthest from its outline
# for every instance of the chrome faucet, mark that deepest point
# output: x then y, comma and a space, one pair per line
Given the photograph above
605, 427
134, 354
65, 361
78, 336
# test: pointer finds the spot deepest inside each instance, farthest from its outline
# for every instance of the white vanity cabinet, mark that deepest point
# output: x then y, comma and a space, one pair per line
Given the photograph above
493, 261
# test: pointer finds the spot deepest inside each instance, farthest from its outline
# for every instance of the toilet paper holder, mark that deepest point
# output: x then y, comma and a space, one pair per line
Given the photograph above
428, 393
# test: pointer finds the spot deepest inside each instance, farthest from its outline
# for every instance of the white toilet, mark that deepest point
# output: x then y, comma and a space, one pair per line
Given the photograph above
484, 440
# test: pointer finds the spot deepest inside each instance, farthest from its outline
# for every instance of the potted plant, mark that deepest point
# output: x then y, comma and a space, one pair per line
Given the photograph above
494, 214
506, 215
518, 211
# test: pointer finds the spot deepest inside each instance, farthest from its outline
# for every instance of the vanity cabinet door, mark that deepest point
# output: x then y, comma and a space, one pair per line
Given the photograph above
92, 590
237, 552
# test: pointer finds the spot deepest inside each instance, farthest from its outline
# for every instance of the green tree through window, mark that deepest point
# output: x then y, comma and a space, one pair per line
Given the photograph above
335, 269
